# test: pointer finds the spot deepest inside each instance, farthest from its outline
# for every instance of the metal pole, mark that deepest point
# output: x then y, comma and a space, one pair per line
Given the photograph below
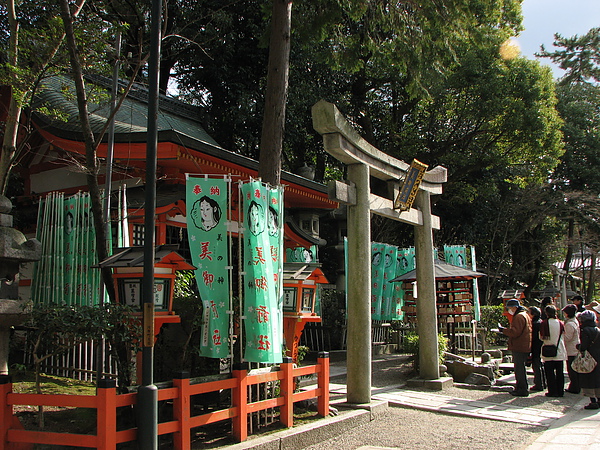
148, 392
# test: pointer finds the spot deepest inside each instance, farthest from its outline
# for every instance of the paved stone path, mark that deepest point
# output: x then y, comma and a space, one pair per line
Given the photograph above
471, 408
464, 407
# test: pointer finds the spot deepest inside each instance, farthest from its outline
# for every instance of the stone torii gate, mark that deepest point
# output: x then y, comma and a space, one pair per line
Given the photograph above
363, 160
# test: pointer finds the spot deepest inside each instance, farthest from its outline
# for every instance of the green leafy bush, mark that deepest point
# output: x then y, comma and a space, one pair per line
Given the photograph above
491, 316
56, 329
411, 345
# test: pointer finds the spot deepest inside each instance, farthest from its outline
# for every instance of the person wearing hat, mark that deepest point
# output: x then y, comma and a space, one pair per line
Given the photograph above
578, 302
590, 341
571, 339
519, 343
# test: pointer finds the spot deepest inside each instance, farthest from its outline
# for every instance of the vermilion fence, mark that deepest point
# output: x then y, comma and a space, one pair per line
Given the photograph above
106, 401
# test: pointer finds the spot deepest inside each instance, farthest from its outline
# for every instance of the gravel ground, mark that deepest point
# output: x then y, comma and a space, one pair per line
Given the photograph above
406, 428
389, 370
415, 429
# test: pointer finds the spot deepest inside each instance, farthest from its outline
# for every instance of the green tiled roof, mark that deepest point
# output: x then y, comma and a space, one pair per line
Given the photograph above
57, 95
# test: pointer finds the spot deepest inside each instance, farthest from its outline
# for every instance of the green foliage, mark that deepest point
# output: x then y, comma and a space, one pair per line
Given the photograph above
491, 316
56, 329
579, 56
185, 284
302, 352
333, 314
411, 345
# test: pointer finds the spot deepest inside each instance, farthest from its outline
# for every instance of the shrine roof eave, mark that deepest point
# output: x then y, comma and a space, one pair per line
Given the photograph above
189, 155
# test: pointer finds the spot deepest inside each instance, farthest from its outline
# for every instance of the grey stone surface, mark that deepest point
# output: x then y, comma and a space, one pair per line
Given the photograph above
460, 370
438, 384
15, 249
478, 379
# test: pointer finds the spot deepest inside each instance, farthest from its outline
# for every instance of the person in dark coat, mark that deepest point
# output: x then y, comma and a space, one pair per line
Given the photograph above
590, 341
536, 348
545, 302
519, 342
578, 302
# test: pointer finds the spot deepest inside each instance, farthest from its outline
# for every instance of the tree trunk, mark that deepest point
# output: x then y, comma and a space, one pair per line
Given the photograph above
91, 160
271, 141
569, 255
592, 276
9, 140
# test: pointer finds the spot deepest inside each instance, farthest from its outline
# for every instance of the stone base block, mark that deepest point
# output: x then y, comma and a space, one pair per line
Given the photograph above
438, 384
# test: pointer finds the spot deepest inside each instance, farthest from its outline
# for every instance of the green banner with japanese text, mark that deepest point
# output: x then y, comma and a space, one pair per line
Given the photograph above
405, 262
206, 204
389, 272
377, 271
456, 255
64, 274
262, 206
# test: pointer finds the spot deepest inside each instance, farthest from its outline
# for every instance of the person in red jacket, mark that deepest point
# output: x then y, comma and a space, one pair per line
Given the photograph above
519, 343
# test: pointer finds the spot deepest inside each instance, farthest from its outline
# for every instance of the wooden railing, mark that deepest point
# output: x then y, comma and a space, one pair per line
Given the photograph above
106, 401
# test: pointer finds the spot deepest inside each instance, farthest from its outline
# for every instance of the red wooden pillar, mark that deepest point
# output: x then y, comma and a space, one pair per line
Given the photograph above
239, 400
6, 412
106, 414
286, 411
323, 384
181, 411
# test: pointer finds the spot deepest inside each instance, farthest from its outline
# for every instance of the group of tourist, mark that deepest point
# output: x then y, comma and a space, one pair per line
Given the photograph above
538, 336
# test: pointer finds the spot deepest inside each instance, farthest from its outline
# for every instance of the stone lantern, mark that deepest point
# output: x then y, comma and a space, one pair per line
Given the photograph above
15, 249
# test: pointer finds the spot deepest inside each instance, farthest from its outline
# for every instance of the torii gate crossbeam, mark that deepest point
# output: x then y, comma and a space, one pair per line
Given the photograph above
363, 161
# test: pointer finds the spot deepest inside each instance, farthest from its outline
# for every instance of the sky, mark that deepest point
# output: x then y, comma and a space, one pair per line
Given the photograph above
543, 18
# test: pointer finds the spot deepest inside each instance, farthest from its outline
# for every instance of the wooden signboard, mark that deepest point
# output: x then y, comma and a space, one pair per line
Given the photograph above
410, 187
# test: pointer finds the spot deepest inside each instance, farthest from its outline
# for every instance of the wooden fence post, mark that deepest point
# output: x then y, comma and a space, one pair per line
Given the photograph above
239, 400
286, 411
323, 384
6, 413
181, 411
106, 414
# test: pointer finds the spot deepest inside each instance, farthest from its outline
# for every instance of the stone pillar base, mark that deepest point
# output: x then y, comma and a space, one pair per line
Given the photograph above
438, 384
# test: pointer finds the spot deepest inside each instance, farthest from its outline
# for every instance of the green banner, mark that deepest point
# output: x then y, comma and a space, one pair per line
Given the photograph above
405, 262
389, 272
206, 203
377, 281
302, 254
64, 275
476, 307
263, 267
456, 255
275, 228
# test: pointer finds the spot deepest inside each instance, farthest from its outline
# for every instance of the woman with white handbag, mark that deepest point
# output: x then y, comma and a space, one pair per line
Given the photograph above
590, 342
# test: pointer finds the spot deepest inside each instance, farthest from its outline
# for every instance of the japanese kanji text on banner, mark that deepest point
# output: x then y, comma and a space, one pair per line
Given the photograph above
263, 268
206, 202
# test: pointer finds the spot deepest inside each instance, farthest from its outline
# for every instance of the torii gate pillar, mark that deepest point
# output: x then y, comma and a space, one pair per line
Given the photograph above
363, 161
429, 368
358, 343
